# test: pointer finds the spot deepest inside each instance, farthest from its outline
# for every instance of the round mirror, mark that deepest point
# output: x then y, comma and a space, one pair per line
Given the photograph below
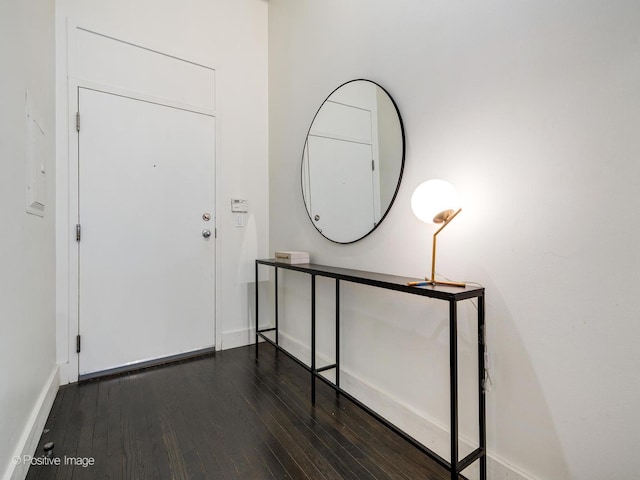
352, 161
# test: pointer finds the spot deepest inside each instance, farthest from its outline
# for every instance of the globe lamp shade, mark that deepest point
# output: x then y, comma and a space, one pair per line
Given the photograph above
435, 201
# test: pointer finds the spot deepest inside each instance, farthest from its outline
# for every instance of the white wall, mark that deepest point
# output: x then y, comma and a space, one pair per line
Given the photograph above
230, 36
531, 110
27, 256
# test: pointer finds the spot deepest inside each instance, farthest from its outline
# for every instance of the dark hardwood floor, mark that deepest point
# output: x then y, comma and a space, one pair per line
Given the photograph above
224, 416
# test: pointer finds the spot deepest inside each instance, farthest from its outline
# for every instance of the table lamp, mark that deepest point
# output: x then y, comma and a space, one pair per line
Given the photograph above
437, 202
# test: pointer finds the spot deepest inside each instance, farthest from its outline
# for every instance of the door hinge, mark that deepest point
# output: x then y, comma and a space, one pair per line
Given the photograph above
373, 165
215, 233
78, 344
78, 121
78, 232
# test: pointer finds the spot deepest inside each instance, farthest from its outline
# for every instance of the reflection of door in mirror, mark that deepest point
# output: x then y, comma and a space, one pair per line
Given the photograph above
342, 158
352, 161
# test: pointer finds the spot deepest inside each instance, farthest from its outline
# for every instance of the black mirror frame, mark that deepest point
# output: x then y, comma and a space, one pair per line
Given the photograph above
404, 149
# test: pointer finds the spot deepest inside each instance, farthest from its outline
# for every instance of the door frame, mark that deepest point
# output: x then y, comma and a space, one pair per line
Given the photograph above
67, 177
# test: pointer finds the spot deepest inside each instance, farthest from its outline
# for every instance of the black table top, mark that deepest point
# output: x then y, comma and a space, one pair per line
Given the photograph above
381, 280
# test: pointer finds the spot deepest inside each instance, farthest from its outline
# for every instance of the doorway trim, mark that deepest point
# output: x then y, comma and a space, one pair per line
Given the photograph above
67, 249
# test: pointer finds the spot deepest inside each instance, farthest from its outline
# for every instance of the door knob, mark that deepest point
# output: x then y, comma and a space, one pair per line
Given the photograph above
206, 233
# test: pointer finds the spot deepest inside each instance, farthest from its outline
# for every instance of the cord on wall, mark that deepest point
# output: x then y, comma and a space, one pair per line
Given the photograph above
487, 383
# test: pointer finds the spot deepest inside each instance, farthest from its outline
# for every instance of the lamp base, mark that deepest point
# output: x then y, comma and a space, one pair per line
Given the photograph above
442, 282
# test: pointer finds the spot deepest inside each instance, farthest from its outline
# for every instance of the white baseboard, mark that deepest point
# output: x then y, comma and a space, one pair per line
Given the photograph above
426, 430
238, 338
33, 429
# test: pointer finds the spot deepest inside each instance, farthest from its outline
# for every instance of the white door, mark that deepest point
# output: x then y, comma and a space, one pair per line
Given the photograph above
341, 186
146, 271
340, 157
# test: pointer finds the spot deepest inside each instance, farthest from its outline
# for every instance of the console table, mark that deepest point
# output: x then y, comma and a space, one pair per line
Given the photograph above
391, 282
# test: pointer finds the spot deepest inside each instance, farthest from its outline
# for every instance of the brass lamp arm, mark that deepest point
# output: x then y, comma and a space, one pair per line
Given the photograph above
433, 280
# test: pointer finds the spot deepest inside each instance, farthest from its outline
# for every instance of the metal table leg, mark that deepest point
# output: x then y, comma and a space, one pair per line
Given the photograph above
337, 336
313, 339
482, 414
257, 322
453, 379
276, 313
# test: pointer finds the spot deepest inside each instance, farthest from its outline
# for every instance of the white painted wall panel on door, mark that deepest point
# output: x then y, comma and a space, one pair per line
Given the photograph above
146, 273
132, 68
343, 121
